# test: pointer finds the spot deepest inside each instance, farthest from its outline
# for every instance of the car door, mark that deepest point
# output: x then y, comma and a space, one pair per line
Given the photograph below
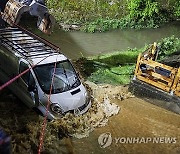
27, 84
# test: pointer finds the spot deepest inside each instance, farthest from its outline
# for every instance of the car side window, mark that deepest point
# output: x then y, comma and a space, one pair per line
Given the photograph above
31, 80
22, 68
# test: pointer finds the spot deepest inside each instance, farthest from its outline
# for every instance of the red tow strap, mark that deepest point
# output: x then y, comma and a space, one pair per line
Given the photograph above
19, 75
47, 109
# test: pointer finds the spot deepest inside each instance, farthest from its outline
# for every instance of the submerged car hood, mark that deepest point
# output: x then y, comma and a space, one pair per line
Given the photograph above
71, 99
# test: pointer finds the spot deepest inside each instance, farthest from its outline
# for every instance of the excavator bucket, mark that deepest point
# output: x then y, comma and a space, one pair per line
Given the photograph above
46, 24
46, 21
14, 10
156, 82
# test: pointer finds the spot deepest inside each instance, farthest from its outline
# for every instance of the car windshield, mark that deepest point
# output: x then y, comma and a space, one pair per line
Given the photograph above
65, 77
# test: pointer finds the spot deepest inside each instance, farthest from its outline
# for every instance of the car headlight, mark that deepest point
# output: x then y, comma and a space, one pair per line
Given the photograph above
56, 108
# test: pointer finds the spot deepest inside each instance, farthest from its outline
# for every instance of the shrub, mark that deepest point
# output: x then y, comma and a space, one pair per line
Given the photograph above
168, 46
103, 15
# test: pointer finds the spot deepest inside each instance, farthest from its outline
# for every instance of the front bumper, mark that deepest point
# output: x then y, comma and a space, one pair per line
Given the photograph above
79, 111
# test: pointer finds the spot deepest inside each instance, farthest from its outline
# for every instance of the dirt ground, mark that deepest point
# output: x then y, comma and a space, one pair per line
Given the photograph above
136, 118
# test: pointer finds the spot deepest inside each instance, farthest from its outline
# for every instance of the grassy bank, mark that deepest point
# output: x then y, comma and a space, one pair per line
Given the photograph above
103, 15
114, 68
118, 67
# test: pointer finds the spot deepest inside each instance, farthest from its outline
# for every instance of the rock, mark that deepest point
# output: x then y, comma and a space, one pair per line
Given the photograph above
68, 27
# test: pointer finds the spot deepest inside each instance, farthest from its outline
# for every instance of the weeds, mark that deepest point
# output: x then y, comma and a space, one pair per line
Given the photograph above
169, 46
142, 14
105, 15
114, 68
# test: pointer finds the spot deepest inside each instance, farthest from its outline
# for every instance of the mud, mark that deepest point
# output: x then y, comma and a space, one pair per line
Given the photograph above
137, 118
133, 118
97, 116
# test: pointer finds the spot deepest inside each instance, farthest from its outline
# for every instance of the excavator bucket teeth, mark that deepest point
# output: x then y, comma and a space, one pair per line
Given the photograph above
13, 11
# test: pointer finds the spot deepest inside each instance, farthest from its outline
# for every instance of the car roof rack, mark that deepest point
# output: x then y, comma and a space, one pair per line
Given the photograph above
26, 43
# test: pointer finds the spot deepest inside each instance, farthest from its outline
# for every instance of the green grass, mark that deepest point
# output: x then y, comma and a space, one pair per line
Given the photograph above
115, 68
114, 75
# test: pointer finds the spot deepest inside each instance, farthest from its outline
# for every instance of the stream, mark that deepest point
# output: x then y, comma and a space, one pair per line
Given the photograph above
76, 44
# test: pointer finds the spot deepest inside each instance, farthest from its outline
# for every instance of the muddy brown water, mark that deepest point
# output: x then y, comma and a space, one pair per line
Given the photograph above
76, 44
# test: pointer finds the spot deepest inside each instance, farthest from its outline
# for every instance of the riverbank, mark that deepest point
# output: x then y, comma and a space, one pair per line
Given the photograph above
118, 67
92, 16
